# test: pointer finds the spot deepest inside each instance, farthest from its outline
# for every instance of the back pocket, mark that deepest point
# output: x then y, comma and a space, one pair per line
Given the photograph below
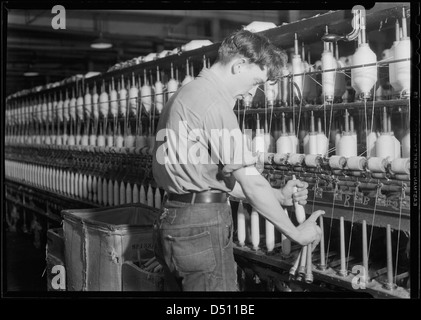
194, 253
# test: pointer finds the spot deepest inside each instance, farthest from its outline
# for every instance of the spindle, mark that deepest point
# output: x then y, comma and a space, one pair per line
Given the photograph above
255, 229
389, 259
241, 224
342, 272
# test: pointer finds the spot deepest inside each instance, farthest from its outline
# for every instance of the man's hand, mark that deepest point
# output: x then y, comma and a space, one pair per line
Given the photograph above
288, 194
310, 231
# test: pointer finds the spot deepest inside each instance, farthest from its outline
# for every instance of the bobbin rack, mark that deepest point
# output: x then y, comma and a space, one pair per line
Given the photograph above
87, 143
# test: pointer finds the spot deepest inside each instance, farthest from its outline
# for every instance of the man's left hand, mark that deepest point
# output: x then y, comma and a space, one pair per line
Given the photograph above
289, 196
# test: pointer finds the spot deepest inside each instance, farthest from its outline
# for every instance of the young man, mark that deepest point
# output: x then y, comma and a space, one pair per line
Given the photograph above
200, 157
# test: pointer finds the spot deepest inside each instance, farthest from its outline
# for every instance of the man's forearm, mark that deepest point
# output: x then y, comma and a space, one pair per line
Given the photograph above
238, 193
262, 197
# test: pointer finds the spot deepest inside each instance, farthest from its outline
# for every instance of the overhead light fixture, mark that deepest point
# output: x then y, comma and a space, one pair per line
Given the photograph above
30, 72
101, 43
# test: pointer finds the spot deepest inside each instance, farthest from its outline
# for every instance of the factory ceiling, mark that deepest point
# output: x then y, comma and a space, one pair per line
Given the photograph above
56, 54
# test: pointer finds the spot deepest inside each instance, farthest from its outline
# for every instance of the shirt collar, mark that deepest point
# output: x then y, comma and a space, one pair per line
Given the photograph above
211, 76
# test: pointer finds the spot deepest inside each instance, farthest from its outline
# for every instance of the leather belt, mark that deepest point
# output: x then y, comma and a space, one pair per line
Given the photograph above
199, 197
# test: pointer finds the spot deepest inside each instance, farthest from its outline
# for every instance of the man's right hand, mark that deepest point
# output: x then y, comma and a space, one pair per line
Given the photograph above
310, 232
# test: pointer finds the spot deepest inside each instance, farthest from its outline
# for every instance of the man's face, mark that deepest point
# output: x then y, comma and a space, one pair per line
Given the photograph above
249, 78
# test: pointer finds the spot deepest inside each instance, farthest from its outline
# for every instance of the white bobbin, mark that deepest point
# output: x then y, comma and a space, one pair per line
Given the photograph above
279, 158
337, 162
356, 163
400, 166
377, 164
296, 159
312, 160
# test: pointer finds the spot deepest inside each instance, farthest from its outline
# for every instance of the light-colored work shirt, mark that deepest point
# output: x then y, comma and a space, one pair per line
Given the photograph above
198, 135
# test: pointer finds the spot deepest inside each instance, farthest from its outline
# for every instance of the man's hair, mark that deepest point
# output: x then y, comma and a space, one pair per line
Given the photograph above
255, 47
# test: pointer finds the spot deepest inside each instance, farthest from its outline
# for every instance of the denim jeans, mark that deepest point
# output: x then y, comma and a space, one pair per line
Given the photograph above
194, 244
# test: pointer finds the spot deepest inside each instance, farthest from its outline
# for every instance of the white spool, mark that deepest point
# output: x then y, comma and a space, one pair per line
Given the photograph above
116, 193
284, 144
135, 196
78, 185
146, 96
312, 143
129, 193
371, 144
100, 141
258, 143
103, 103
129, 141
133, 94
294, 142
113, 102
340, 80
88, 103
79, 106
279, 158
110, 141
385, 146
89, 179
241, 224
306, 143
401, 166
356, 163
322, 143
403, 68
119, 140
95, 108
297, 68
150, 196
78, 139
296, 159
122, 196
85, 187
159, 96
122, 96
255, 229
84, 141
347, 146
312, 160
142, 195
110, 192
377, 164
363, 78
104, 191
269, 236
172, 87
99, 188
397, 145
157, 198
337, 162
72, 107
67, 179
328, 78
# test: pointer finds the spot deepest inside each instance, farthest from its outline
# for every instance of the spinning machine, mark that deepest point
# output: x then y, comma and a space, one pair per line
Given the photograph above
88, 143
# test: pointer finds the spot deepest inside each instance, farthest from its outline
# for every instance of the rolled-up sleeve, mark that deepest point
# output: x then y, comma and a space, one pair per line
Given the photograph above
228, 144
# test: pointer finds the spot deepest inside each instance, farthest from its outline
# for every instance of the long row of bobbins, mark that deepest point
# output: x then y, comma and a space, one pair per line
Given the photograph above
337, 260
84, 185
122, 115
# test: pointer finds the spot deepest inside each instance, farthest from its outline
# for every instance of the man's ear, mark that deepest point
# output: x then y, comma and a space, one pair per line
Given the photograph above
237, 65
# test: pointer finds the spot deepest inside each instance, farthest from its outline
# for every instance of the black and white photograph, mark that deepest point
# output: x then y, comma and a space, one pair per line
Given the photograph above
208, 158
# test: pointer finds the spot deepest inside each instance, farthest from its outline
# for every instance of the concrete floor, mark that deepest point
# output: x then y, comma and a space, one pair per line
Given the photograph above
23, 264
